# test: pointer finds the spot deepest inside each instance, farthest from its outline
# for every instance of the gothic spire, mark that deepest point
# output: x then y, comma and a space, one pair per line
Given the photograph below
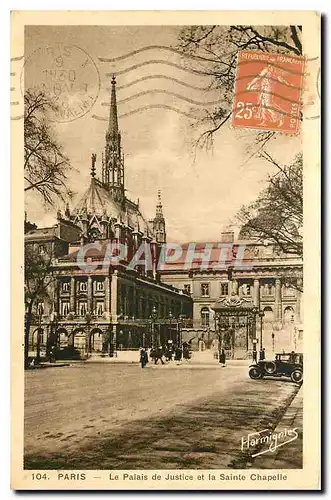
158, 222
113, 120
93, 158
113, 168
159, 210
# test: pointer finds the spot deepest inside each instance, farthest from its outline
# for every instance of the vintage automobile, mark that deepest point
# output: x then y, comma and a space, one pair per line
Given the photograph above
284, 365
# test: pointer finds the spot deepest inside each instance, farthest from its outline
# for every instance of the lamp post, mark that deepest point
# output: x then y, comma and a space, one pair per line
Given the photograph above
87, 337
153, 318
40, 314
170, 323
179, 331
261, 314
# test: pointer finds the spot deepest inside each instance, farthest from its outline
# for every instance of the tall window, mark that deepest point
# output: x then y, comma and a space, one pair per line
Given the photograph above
65, 286
205, 316
40, 308
83, 286
268, 289
205, 289
82, 308
100, 286
224, 288
100, 308
245, 289
187, 288
65, 309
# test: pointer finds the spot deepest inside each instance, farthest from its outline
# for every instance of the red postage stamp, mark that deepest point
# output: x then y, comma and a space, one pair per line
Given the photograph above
268, 91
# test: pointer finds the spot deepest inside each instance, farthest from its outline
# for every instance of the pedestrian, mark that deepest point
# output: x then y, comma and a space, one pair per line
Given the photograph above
254, 356
158, 356
178, 354
222, 358
143, 357
262, 354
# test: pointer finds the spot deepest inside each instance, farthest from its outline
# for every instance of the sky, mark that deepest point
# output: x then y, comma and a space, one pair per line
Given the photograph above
201, 189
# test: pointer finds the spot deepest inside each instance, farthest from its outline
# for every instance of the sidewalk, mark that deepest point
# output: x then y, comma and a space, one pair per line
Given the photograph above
288, 456
198, 357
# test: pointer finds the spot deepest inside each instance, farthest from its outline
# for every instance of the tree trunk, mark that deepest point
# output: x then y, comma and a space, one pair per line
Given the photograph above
28, 318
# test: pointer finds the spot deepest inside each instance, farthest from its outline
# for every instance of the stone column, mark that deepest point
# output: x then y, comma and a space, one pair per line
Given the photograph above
298, 300
73, 295
107, 294
256, 293
113, 296
278, 299
89, 295
235, 286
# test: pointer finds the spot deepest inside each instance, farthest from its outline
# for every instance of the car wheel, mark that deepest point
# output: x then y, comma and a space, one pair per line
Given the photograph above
297, 376
255, 372
270, 367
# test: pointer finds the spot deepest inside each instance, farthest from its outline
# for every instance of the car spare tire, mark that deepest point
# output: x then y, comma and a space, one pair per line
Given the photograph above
297, 376
255, 372
270, 367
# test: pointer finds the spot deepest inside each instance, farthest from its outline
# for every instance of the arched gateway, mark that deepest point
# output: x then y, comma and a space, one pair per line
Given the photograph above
235, 325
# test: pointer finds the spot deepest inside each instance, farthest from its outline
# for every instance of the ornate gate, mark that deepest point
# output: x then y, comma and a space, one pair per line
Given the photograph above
235, 325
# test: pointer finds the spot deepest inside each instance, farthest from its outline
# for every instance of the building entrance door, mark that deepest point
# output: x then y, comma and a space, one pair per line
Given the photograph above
235, 326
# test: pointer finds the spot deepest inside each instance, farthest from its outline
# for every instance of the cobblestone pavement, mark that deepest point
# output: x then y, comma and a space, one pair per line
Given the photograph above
101, 416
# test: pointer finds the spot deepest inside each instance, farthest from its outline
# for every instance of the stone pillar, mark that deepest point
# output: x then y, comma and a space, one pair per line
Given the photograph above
278, 299
298, 301
113, 296
114, 339
256, 293
89, 295
73, 295
107, 295
140, 309
235, 286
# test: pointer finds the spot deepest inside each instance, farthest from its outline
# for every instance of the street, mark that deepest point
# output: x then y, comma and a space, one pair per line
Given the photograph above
108, 416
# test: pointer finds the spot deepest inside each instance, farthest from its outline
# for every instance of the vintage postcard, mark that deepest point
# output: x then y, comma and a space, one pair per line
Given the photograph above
165, 250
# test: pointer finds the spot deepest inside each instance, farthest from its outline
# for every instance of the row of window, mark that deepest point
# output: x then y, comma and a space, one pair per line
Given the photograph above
205, 287
289, 315
247, 290
82, 286
82, 308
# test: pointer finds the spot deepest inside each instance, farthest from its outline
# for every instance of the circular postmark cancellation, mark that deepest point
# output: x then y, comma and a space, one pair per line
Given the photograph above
67, 75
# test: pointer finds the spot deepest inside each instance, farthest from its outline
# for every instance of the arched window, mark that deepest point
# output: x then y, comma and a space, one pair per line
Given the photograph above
268, 314
288, 314
205, 316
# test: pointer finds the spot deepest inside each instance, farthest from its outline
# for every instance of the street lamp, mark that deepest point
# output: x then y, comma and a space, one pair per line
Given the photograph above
170, 323
261, 314
153, 317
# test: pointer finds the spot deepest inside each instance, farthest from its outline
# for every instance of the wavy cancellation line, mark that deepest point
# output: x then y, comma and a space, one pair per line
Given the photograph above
150, 106
152, 47
294, 101
162, 77
157, 61
167, 92
279, 66
246, 77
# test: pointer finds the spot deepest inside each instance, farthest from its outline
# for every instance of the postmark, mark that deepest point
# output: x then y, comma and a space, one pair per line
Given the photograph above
268, 91
67, 75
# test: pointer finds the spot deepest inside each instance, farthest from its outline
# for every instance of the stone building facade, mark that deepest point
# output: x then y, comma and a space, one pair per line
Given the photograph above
270, 280
96, 305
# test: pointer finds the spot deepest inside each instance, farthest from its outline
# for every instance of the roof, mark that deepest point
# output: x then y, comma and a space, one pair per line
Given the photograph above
46, 233
98, 201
